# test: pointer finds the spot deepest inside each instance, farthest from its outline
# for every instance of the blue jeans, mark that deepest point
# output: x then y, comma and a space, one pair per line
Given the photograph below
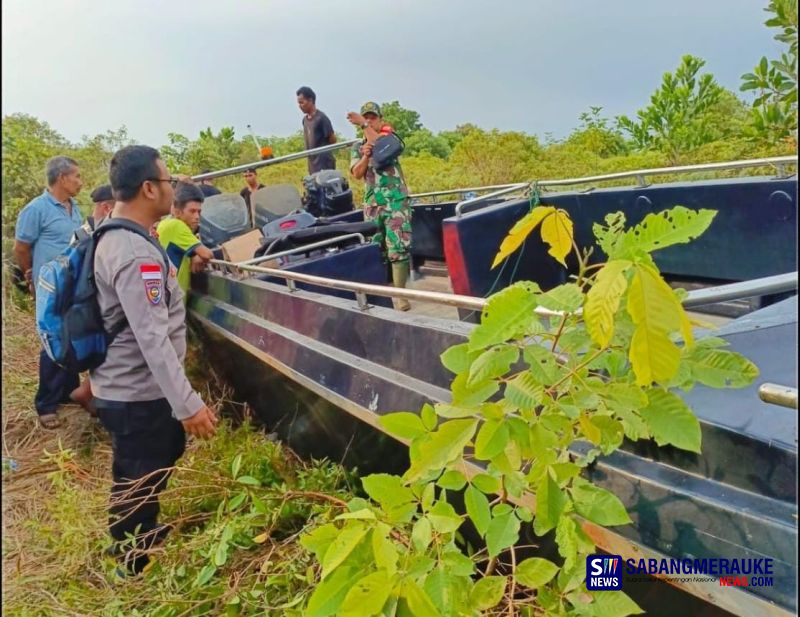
55, 385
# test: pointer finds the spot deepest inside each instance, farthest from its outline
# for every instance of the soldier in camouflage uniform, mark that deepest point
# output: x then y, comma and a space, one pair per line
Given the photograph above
385, 197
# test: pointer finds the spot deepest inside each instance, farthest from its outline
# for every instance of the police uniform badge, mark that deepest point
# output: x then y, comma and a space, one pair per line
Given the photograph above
153, 282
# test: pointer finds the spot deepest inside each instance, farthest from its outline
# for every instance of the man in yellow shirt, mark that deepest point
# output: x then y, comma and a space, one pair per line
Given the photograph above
177, 234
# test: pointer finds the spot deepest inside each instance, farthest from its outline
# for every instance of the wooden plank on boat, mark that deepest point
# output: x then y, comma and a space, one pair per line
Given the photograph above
242, 248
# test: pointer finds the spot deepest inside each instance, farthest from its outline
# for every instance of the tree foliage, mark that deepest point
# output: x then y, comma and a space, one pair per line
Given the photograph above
677, 118
775, 81
596, 135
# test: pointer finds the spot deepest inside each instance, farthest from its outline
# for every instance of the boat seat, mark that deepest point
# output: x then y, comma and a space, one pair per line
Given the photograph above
273, 202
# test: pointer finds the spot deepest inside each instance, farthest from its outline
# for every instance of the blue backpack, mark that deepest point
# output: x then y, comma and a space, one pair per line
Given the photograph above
68, 318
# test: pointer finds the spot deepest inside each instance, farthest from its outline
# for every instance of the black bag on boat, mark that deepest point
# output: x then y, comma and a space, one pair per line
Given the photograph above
327, 193
386, 149
301, 237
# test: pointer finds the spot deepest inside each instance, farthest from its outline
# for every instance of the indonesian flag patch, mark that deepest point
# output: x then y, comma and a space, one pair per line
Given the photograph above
153, 282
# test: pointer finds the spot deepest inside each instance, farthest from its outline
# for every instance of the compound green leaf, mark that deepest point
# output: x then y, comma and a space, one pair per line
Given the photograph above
329, 594
367, 595
457, 358
486, 483
550, 503
535, 572
524, 391
520, 231
341, 548
444, 517
503, 531
452, 479
488, 592
677, 225
403, 424
719, 368
477, 509
419, 602
557, 233
491, 440
599, 505
656, 313
506, 314
602, 301
443, 446
494, 362
671, 421
567, 298
387, 489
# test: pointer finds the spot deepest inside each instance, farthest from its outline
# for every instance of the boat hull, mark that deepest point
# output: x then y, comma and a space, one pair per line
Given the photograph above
321, 371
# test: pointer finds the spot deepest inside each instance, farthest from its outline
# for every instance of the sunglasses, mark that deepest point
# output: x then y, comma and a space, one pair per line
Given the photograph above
172, 181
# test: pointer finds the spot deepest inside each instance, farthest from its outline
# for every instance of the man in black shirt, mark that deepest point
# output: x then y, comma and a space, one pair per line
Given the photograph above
317, 130
253, 185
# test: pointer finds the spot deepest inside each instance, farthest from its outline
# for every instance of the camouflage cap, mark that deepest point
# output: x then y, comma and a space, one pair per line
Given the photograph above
371, 107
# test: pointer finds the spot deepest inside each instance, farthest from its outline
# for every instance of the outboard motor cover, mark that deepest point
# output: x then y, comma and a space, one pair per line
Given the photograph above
223, 217
327, 193
289, 223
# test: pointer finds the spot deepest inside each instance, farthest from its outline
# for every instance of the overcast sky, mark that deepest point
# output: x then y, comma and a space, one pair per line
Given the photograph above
86, 66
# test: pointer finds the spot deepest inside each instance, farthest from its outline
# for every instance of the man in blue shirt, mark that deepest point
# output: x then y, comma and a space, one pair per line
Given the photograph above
44, 229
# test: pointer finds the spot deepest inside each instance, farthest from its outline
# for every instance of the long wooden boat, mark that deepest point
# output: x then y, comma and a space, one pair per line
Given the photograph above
316, 350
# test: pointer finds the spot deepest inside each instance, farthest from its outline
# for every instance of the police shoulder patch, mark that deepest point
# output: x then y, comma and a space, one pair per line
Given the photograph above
153, 282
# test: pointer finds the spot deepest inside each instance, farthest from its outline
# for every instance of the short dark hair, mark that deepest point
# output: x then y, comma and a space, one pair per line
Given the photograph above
129, 169
186, 192
307, 93
250, 169
102, 193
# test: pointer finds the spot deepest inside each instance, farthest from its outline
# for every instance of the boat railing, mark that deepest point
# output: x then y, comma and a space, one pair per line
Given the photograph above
302, 249
471, 189
275, 161
780, 283
781, 164
772, 393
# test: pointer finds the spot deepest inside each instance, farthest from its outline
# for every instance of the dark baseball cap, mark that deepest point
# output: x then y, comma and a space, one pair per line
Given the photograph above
102, 193
370, 107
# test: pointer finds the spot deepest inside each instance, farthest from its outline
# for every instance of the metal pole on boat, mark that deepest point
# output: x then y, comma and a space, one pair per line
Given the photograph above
774, 394
280, 159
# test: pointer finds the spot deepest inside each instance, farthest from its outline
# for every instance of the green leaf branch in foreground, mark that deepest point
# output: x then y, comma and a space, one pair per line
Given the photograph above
526, 390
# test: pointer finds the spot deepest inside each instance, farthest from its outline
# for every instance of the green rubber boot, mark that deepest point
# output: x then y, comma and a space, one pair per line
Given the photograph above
400, 272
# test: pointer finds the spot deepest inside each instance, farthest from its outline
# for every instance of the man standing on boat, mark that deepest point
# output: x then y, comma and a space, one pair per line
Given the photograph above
317, 130
44, 230
177, 234
385, 197
251, 180
142, 395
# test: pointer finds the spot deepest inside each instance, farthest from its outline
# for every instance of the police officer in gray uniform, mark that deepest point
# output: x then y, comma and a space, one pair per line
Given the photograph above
142, 395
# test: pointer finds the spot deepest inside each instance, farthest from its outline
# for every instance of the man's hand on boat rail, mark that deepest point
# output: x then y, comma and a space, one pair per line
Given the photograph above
202, 424
198, 264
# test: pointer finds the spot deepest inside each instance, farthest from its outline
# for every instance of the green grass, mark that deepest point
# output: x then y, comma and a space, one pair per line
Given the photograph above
239, 502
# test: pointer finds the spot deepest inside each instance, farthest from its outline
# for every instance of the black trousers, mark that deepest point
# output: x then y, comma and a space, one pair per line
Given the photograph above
146, 442
55, 385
